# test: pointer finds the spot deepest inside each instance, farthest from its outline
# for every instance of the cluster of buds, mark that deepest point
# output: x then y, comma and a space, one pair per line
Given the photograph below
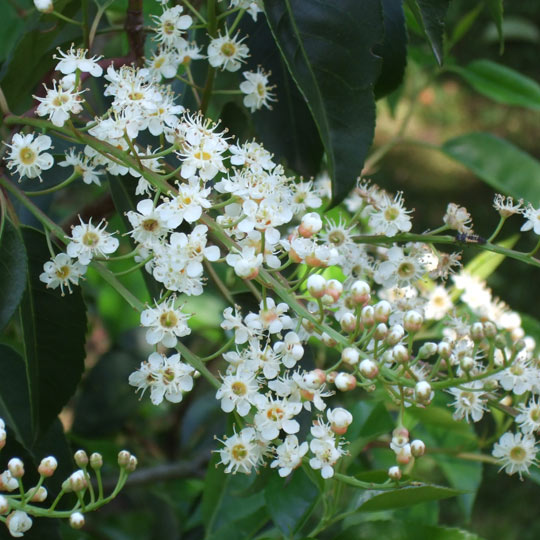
16, 508
404, 450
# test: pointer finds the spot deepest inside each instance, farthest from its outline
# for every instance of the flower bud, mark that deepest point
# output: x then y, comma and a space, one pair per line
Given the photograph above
4, 505
412, 321
40, 495
444, 349
350, 356
418, 448
368, 368
316, 285
78, 481
519, 345
76, 520
47, 466
380, 332
123, 458
333, 291
395, 334
490, 330
328, 341
348, 322
427, 350
423, 392
387, 357
18, 522
360, 292
314, 379
400, 354
345, 382
517, 334
466, 363
382, 311
16, 467
394, 473
81, 458
400, 437
45, 6
340, 419
96, 461
404, 455
500, 342
367, 316
311, 224
3, 437
246, 269
477, 331
331, 377
132, 464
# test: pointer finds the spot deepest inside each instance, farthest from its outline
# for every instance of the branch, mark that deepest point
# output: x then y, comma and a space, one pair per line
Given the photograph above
134, 26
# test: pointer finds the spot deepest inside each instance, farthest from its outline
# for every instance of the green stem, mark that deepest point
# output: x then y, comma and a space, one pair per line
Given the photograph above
218, 352
136, 267
58, 187
195, 12
64, 18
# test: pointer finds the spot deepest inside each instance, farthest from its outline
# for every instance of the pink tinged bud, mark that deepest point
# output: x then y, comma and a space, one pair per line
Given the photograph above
395, 334
412, 321
331, 377
404, 455
418, 448
382, 311
16, 467
81, 458
311, 224
78, 481
47, 466
394, 473
423, 392
123, 458
4, 505
334, 288
246, 270
327, 340
132, 464
400, 354
316, 285
381, 332
345, 382
96, 461
360, 292
340, 419
314, 261
368, 368
400, 436
76, 520
3, 437
40, 495
348, 322
318, 378
350, 356
367, 316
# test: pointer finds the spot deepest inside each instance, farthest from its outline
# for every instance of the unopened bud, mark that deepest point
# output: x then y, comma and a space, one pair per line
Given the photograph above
380, 332
404, 455
3, 437
45, 6
340, 419
350, 356
331, 377
368, 368
40, 495
423, 392
500, 342
132, 464
123, 458
360, 292
16, 467
327, 340
96, 461
387, 357
517, 333
382, 311
418, 448
348, 322
395, 334
47, 466
367, 316
400, 354
311, 224
490, 330
4, 505
76, 520
81, 458
427, 350
444, 349
394, 473
520, 345
477, 331
333, 291
316, 285
412, 321
345, 382
466, 363
78, 481
314, 379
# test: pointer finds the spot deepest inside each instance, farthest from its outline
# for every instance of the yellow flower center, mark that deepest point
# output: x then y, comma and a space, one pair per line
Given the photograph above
391, 213
202, 155
63, 272
239, 388
27, 155
150, 225
90, 239
239, 452
518, 453
275, 414
168, 319
228, 49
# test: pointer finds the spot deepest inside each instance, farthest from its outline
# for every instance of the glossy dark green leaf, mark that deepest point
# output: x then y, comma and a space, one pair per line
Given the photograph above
328, 48
13, 268
496, 10
54, 329
402, 530
430, 16
503, 166
501, 83
290, 500
288, 129
407, 496
393, 50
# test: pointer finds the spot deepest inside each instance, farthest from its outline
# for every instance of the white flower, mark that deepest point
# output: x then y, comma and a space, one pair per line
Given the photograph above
165, 323
438, 305
529, 417
532, 215
171, 26
164, 63
25, 155
242, 452
8, 482
88, 241
469, 401
458, 218
515, 452
289, 455
81, 165
61, 271
274, 415
400, 269
166, 377
253, 7
18, 523
390, 217
234, 322
506, 206
149, 225
75, 60
518, 378
227, 52
290, 350
239, 391
58, 104
246, 263
324, 448
270, 317
258, 92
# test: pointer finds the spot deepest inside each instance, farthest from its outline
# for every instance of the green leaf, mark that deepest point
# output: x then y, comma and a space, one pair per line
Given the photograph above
496, 9
393, 50
13, 269
430, 16
290, 500
506, 168
370, 419
501, 83
54, 329
406, 496
327, 46
402, 530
